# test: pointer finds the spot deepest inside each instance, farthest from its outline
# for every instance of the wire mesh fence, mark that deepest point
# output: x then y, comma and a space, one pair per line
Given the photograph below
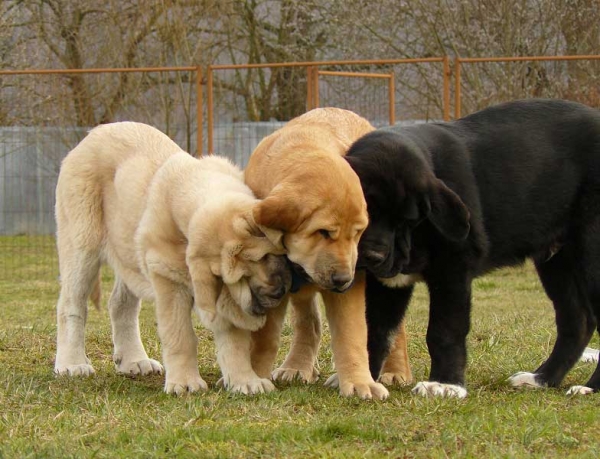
481, 82
46, 113
248, 102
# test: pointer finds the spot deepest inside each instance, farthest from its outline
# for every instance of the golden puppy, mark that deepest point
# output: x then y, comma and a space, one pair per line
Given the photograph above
176, 230
314, 202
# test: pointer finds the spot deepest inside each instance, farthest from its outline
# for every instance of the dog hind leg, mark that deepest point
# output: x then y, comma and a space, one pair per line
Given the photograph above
78, 270
396, 368
592, 264
566, 287
79, 239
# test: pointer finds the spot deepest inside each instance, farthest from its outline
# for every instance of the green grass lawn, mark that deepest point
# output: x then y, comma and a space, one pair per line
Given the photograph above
114, 416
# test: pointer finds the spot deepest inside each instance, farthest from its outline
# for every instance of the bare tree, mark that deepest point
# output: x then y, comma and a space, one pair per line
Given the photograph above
133, 33
267, 31
484, 28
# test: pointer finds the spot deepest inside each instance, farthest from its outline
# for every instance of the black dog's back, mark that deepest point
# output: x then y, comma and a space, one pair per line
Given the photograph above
530, 160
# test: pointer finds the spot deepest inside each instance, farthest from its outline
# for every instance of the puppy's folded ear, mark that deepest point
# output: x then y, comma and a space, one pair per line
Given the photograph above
279, 211
231, 268
205, 283
272, 212
274, 236
448, 213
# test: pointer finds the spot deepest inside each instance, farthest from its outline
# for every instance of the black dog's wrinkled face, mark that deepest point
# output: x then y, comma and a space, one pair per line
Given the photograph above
401, 192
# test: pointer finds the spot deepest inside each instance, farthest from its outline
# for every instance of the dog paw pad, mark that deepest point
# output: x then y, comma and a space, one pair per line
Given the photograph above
436, 389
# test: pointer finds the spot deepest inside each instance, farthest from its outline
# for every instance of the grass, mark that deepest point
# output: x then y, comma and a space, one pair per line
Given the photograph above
114, 416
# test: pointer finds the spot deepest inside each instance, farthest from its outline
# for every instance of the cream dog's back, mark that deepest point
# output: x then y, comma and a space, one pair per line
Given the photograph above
107, 188
141, 162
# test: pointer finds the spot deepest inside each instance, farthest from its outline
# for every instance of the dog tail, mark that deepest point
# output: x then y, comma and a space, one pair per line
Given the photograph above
96, 294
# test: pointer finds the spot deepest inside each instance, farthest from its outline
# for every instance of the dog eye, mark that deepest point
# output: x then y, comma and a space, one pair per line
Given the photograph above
325, 233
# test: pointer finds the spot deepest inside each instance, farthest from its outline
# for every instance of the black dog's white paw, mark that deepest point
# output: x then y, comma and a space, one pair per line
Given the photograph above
436, 389
590, 355
524, 379
580, 390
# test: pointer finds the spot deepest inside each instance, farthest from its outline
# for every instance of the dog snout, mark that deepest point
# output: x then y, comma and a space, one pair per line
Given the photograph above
373, 257
276, 292
340, 280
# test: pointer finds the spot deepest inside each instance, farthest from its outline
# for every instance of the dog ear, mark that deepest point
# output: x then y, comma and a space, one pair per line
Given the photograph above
414, 209
205, 283
274, 236
231, 269
278, 211
448, 213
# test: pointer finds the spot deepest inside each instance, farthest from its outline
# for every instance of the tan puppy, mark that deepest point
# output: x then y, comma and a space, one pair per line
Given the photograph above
176, 230
313, 197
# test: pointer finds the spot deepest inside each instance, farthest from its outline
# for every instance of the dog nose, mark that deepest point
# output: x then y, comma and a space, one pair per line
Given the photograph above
277, 292
340, 280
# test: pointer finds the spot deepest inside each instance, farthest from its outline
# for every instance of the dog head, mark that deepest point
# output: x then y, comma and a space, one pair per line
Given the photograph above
401, 191
253, 269
317, 215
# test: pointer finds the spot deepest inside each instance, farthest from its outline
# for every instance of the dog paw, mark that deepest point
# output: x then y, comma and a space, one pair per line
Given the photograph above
142, 367
590, 355
390, 379
292, 374
436, 389
524, 379
187, 385
365, 390
249, 386
83, 369
580, 390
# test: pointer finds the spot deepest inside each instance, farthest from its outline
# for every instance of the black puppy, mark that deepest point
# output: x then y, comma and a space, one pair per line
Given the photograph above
451, 201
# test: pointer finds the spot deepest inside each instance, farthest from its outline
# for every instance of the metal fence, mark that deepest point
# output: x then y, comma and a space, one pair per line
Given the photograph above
484, 81
227, 110
382, 91
44, 114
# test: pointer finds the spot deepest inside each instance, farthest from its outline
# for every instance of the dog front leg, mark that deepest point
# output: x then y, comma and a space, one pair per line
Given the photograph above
179, 342
346, 316
301, 360
265, 341
449, 323
233, 355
